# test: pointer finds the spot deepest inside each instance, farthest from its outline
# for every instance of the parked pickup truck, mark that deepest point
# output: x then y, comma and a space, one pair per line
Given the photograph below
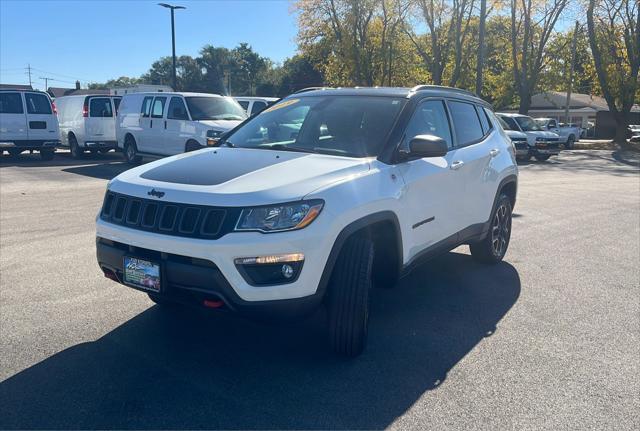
542, 143
568, 134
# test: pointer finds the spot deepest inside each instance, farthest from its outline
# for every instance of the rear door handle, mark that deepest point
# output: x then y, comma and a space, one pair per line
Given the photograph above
456, 165
494, 152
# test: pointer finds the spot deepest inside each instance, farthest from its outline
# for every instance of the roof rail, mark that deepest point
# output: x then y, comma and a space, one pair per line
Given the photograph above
304, 90
442, 87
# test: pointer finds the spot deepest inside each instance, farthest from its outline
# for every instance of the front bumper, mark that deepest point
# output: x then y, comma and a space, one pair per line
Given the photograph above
28, 144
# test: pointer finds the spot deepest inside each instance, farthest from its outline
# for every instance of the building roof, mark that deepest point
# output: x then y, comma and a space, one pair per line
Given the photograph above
557, 100
61, 91
15, 87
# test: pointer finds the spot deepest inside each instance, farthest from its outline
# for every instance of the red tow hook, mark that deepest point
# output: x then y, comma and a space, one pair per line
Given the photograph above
210, 303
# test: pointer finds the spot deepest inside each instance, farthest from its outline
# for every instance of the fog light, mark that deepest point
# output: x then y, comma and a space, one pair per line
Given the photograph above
287, 271
270, 270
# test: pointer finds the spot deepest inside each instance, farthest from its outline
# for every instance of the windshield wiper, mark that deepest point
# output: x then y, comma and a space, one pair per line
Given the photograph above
282, 147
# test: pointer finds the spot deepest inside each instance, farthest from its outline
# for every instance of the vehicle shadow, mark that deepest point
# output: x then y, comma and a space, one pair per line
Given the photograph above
177, 368
599, 161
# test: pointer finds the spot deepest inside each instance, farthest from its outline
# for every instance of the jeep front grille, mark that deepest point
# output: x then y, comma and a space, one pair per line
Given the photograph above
169, 218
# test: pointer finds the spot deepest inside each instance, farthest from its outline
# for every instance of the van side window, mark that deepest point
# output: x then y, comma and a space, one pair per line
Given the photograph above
100, 107
146, 107
465, 122
158, 107
11, 103
37, 103
430, 118
258, 106
177, 109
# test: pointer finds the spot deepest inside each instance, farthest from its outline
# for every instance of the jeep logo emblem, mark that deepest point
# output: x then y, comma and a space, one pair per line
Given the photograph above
155, 193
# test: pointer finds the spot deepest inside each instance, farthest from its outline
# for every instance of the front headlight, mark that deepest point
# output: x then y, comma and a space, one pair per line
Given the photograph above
278, 218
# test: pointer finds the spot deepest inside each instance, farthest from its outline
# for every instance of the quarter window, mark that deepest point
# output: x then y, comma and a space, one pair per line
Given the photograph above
158, 107
465, 122
37, 103
257, 107
177, 110
11, 103
116, 103
430, 118
146, 107
483, 120
100, 107
244, 104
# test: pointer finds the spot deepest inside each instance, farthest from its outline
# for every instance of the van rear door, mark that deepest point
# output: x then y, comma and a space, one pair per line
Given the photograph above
100, 125
13, 121
42, 124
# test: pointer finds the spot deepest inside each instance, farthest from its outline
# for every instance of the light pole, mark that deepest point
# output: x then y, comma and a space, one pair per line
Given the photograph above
173, 40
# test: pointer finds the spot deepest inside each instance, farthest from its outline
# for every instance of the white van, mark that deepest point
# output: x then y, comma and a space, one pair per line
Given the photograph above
255, 105
88, 122
164, 124
28, 123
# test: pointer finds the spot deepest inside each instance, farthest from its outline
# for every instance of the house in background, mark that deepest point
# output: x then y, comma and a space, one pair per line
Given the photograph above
77, 91
15, 87
139, 88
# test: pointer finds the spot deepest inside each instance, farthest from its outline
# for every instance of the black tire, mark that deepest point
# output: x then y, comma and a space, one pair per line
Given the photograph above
192, 145
348, 297
570, 142
76, 151
523, 158
543, 158
131, 151
494, 246
47, 154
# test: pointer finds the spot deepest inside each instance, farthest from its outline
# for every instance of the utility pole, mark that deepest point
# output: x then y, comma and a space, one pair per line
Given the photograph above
46, 82
173, 40
390, 60
571, 66
29, 73
480, 63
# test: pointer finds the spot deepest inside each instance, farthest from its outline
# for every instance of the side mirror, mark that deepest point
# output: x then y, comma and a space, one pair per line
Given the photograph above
427, 146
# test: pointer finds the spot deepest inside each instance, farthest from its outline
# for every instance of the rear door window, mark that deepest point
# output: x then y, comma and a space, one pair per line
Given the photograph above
465, 122
11, 103
157, 110
37, 103
146, 106
258, 106
177, 109
100, 107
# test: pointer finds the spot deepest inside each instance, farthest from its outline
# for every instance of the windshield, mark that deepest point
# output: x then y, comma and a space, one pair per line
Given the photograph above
527, 124
353, 126
214, 108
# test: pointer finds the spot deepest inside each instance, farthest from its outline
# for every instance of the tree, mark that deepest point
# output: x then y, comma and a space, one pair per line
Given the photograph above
532, 24
614, 37
188, 73
123, 81
298, 72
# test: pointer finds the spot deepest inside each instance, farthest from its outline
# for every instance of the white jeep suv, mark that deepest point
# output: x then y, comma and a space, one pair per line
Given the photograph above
312, 202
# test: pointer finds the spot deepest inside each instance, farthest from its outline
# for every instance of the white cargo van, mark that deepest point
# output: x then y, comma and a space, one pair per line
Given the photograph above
255, 105
28, 123
164, 124
88, 122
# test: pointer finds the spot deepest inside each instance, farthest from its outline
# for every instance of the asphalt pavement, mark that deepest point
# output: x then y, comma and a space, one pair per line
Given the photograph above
548, 339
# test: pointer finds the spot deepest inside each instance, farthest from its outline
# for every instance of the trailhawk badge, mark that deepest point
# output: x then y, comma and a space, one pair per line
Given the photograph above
155, 193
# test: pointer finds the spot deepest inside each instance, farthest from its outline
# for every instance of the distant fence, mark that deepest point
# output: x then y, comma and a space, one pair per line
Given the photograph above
606, 124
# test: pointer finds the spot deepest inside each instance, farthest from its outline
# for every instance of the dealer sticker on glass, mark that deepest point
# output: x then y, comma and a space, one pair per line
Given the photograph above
142, 273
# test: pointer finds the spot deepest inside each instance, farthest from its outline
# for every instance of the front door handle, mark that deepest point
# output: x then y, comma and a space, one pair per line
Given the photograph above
494, 152
456, 165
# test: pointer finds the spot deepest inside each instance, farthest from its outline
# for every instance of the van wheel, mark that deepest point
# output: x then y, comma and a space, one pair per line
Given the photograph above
131, 151
192, 146
348, 297
543, 158
570, 142
494, 246
47, 154
76, 152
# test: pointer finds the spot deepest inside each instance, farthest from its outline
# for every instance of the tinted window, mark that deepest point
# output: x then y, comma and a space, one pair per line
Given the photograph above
116, 103
552, 123
430, 118
527, 124
465, 122
100, 107
158, 107
37, 103
257, 107
244, 104
215, 108
483, 120
146, 106
177, 110
510, 122
352, 126
10, 103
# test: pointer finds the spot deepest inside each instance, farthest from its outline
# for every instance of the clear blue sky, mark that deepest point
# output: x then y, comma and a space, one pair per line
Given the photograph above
94, 41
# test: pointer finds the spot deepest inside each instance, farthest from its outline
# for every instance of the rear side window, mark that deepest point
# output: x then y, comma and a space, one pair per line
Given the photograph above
100, 107
146, 106
244, 104
37, 103
258, 106
465, 122
430, 118
177, 109
158, 107
11, 103
116, 103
